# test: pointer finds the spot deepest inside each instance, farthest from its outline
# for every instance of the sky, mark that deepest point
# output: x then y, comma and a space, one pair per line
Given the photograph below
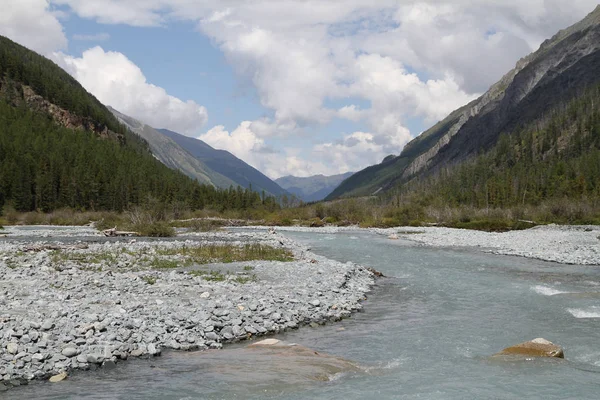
292, 87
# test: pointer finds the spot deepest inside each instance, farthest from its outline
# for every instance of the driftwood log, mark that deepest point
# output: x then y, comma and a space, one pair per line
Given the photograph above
113, 232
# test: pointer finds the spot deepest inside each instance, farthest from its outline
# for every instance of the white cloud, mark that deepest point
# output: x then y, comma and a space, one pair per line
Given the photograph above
351, 113
406, 59
131, 12
242, 142
117, 81
98, 37
33, 24
245, 144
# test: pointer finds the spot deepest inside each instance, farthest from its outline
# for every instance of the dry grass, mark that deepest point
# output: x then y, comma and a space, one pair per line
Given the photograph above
228, 253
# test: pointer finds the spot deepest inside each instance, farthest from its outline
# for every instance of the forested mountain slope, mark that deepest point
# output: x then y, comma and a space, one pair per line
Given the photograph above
554, 160
560, 71
60, 147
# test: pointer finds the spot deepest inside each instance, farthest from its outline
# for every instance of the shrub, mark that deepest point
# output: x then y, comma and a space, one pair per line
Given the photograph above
156, 229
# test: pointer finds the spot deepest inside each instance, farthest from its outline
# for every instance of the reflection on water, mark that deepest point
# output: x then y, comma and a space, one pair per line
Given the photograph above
426, 332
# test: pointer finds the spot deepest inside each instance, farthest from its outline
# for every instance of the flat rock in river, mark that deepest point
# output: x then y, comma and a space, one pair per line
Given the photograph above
535, 348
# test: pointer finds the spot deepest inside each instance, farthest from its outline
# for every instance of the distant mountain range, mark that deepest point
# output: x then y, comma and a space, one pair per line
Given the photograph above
312, 188
540, 84
200, 161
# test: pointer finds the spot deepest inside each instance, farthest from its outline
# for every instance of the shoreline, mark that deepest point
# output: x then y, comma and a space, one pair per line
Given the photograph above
69, 318
563, 244
58, 316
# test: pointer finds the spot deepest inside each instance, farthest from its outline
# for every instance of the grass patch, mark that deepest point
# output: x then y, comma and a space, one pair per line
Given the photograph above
248, 268
150, 280
217, 276
161, 263
228, 253
242, 280
58, 256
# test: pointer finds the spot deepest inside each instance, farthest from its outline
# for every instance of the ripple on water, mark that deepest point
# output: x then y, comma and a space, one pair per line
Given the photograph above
591, 312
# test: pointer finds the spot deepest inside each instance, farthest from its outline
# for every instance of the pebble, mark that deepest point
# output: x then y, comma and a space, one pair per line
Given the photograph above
69, 352
12, 348
57, 378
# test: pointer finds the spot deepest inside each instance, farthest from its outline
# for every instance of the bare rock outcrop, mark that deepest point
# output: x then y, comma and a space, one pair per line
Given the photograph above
535, 348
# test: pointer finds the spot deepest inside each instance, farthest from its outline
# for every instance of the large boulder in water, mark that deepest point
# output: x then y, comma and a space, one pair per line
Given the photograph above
269, 362
301, 360
536, 348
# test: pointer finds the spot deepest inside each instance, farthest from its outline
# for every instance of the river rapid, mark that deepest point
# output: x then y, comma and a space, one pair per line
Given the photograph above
426, 332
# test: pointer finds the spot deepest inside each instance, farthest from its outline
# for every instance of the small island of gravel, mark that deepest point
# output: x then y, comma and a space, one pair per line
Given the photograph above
73, 300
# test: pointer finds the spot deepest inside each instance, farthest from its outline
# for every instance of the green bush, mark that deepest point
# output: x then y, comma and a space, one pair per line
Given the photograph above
156, 229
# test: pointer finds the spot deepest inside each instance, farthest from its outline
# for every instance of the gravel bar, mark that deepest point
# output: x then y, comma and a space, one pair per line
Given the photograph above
58, 315
565, 244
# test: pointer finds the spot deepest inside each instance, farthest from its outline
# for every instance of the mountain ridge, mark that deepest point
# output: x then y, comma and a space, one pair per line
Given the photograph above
172, 155
477, 125
226, 164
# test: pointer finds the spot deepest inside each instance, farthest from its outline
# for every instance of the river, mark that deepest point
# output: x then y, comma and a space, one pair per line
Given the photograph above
426, 332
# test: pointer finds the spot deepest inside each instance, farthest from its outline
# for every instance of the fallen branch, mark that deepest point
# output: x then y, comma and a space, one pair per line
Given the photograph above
113, 232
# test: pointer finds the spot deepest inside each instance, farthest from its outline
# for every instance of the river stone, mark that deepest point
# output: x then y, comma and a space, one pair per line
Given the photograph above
284, 357
266, 342
82, 359
535, 348
95, 359
47, 325
58, 378
137, 353
69, 352
12, 348
152, 349
205, 295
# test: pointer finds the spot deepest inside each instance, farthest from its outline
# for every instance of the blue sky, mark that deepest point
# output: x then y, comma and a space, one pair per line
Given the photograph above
290, 86
179, 59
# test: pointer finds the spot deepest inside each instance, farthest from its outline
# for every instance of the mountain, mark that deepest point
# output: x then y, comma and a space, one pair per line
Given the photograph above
167, 151
560, 71
225, 164
312, 188
60, 147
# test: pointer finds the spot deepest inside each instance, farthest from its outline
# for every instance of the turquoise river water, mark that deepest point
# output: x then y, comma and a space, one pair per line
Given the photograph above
426, 332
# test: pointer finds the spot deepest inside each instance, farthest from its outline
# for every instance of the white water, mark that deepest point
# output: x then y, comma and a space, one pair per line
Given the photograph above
547, 291
593, 312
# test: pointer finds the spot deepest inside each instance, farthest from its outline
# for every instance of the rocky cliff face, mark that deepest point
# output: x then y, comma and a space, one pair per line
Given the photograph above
60, 116
562, 67
554, 57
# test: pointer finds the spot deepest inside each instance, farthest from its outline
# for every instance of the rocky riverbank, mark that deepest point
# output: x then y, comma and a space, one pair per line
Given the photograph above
68, 302
563, 244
